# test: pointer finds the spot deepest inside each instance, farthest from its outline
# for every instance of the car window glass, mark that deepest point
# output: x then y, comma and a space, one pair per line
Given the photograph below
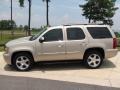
54, 35
75, 34
99, 32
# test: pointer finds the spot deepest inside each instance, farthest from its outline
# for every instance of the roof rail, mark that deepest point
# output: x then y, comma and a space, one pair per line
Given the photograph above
81, 24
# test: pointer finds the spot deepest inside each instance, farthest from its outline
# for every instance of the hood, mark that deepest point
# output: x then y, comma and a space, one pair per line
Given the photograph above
18, 41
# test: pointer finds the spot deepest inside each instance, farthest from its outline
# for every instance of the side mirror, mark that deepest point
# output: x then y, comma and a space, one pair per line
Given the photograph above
42, 39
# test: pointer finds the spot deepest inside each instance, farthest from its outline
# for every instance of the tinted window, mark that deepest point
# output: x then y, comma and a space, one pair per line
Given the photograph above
75, 34
54, 35
99, 32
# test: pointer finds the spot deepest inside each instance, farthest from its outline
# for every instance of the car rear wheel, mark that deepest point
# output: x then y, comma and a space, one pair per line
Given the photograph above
93, 59
23, 61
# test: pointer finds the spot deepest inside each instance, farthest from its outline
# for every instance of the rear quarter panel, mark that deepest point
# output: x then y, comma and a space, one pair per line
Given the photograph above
106, 43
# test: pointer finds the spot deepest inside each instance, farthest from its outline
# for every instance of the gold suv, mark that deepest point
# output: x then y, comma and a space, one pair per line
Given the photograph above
90, 43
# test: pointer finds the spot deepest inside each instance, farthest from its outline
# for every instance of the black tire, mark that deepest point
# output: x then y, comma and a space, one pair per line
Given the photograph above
87, 59
26, 55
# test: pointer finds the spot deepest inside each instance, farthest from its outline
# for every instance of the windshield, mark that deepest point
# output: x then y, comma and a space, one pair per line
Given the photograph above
37, 35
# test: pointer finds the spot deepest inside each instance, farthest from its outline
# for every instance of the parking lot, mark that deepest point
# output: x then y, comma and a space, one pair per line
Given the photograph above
108, 75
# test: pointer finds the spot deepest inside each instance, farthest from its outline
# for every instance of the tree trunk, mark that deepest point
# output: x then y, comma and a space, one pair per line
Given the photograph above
89, 20
47, 12
12, 31
29, 20
11, 13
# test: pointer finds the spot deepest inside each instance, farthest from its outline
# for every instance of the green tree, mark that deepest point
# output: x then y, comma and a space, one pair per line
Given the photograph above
21, 27
26, 29
117, 34
29, 20
99, 10
6, 24
47, 11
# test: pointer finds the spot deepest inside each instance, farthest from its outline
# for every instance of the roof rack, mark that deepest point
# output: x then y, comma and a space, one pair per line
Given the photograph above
81, 24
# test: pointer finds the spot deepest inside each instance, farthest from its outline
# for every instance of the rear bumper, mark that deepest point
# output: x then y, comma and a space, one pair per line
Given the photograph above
111, 53
7, 58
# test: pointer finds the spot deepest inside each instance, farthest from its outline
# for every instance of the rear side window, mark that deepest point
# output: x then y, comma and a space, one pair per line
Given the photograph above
75, 34
99, 32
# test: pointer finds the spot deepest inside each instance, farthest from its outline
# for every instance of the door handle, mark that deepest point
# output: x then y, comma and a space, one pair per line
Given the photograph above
83, 43
60, 46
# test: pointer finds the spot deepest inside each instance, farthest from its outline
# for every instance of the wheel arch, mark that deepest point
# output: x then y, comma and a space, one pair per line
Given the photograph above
14, 53
99, 49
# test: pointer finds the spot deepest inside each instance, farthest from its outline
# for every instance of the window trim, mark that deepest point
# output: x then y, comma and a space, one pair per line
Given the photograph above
75, 39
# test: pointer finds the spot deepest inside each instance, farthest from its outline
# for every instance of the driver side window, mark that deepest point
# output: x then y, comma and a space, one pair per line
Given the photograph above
54, 35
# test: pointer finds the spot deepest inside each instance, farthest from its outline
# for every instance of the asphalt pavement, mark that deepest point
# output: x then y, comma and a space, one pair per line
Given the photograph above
25, 83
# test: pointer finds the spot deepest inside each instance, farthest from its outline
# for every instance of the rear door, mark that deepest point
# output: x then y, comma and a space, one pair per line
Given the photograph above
75, 43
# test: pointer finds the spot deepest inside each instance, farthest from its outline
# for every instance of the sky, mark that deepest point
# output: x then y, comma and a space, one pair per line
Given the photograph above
60, 12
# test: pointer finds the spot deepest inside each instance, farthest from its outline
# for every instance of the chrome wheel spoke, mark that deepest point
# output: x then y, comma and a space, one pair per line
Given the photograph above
95, 64
95, 56
21, 66
90, 61
18, 61
26, 64
90, 58
98, 60
22, 58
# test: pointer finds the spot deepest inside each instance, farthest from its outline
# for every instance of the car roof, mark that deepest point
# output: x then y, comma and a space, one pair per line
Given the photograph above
96, 25
77, 25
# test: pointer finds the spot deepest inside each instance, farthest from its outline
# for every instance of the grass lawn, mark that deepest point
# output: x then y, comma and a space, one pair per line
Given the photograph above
6, 35
1, 49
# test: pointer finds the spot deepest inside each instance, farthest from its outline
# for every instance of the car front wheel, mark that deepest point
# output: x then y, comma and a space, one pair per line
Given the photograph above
23, 61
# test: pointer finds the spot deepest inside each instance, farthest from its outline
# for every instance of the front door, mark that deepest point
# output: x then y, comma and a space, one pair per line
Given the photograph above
53, 48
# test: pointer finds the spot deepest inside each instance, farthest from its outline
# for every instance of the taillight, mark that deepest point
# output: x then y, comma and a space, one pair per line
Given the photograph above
114, 43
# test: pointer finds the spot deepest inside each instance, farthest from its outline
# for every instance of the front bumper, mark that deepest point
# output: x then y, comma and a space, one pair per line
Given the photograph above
111, 53
7, 58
